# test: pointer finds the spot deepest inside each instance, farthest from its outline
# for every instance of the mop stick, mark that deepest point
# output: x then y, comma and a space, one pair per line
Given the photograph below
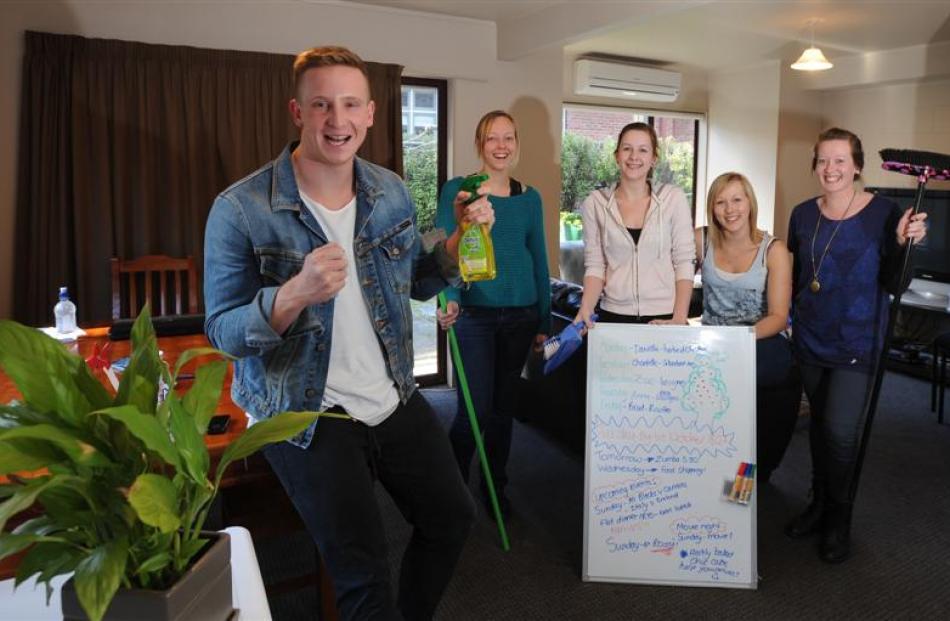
486, 472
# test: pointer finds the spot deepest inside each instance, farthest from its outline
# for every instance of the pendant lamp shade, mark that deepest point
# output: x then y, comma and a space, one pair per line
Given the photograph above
812, 60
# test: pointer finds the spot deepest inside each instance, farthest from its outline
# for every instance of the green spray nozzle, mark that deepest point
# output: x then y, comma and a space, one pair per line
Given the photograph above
471, 184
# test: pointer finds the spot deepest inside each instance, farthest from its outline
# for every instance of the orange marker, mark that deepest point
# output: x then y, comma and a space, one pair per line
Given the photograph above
738, 483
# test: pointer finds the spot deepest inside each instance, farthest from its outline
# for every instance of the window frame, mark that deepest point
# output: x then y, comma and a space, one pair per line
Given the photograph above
699, 147
440, 377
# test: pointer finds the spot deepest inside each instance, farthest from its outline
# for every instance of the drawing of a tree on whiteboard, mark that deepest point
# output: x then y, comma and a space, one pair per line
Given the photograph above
705, 392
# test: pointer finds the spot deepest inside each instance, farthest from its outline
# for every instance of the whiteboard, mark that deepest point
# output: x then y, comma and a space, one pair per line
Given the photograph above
670, 417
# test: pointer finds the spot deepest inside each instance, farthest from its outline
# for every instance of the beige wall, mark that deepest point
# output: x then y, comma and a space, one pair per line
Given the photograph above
743, 122
530, 90
799, 124
428, 45
900, 116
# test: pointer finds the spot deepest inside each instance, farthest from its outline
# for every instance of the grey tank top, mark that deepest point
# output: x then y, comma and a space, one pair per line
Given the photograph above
739, 300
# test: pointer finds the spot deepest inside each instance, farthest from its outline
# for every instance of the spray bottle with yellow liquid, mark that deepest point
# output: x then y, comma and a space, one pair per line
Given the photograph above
476, 253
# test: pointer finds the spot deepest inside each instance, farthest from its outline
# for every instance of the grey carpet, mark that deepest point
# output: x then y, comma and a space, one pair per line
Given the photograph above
900, 568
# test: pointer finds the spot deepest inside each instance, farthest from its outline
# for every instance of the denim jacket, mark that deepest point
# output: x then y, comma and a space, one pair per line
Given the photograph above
257, 236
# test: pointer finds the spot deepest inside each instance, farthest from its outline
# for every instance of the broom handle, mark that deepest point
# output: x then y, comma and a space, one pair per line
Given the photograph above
473, 420
874, 390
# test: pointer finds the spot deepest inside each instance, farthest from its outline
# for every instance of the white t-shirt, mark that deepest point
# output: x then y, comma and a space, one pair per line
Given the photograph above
357, 378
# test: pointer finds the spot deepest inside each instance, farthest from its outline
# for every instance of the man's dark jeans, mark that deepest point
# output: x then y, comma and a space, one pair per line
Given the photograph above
494, 344
331, 484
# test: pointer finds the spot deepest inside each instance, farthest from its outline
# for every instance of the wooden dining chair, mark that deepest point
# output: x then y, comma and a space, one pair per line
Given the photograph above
161, 280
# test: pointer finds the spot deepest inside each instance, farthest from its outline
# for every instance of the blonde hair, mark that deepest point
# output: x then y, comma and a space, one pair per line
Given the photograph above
327, 56
718, 187
484, 125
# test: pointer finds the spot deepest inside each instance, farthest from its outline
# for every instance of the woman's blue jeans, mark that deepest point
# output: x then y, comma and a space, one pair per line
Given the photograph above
494, 344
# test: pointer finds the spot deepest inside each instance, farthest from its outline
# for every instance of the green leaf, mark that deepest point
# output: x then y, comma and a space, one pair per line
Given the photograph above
190, 548
15, 414
40, 525
78, 451
188, 441
49, 378
154, 563
23, 498
276, 429
203, 396
147, 429
139, 383
98, 576
190, 354
48, 560
155, 502
11, 543
24, 455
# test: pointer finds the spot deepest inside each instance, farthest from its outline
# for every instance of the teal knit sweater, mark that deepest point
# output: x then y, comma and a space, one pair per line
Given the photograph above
521, 259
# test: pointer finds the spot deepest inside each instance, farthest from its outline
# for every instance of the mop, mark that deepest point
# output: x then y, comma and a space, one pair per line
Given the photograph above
473, 420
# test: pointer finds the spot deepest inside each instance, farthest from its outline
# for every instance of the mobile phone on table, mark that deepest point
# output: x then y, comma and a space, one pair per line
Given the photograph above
218, 424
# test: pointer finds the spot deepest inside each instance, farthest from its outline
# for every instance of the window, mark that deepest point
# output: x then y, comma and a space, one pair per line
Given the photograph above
425, 148
588, 139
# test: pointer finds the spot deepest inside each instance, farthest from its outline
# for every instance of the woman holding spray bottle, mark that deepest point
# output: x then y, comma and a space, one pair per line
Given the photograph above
638, 241
497, 320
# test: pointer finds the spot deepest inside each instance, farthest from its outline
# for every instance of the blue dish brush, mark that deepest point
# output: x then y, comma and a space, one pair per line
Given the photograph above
559, 348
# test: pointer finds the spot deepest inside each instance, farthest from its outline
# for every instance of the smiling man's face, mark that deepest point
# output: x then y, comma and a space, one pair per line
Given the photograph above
333, 111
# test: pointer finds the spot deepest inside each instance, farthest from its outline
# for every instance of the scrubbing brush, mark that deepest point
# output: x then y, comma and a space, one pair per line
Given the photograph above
559, 348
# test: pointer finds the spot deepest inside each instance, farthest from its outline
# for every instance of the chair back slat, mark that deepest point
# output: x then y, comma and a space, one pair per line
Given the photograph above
136, 278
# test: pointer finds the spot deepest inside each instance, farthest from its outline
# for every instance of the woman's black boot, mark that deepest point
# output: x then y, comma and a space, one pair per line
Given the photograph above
810, 521
835, 546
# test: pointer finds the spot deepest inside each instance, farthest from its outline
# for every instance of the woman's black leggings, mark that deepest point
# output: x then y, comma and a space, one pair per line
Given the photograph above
836, 397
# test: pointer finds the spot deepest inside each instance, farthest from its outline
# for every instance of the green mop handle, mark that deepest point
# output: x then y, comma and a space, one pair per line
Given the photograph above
473, 420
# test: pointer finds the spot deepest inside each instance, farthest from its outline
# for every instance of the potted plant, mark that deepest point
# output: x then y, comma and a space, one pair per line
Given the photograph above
572, 224
124, 482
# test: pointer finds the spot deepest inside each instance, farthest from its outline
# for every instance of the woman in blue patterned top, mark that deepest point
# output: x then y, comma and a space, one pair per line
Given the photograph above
846, 245
499, 319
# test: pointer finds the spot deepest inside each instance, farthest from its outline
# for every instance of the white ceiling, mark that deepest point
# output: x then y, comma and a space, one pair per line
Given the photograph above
703, 34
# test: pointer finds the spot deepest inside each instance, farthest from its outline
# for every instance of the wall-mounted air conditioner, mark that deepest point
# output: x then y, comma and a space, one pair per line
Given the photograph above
611, 79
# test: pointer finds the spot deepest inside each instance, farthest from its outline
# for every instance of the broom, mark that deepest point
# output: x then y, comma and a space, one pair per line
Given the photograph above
925, 166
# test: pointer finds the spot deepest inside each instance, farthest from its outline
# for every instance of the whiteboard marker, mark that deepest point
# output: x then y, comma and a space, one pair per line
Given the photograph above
737, 483
747, 485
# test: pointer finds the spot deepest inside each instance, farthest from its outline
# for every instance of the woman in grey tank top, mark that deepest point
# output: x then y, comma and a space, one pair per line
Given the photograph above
747, 281
747, 275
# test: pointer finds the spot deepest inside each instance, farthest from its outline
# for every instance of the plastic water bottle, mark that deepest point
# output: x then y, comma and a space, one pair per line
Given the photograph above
65, 313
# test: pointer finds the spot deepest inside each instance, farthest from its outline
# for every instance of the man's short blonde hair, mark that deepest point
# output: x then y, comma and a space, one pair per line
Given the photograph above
326, 56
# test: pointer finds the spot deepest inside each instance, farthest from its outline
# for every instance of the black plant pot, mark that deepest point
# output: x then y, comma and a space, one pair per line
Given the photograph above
203, 592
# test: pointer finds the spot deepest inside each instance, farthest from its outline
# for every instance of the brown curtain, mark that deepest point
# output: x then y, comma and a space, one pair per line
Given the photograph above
123, 147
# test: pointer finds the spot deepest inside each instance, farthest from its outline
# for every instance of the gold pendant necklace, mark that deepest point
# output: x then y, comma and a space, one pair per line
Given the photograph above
815, 284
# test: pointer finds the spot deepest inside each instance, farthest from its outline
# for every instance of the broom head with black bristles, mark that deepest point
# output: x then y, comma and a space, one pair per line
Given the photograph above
916, 163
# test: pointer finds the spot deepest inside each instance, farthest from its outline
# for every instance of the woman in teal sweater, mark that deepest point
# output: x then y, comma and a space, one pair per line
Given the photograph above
497, 320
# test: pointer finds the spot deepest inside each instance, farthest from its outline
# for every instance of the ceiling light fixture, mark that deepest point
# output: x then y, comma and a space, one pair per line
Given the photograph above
812, 59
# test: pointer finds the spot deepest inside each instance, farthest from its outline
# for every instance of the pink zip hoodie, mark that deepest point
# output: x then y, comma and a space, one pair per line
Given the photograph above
639, 279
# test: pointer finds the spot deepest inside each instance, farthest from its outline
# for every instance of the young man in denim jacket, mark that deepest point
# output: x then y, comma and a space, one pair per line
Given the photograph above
309, 266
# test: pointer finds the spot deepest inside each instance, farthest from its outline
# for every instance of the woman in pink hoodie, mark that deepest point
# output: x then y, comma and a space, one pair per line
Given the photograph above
638, 241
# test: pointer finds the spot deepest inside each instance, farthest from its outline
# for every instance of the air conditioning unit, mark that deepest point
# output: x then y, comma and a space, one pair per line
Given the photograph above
610, 79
